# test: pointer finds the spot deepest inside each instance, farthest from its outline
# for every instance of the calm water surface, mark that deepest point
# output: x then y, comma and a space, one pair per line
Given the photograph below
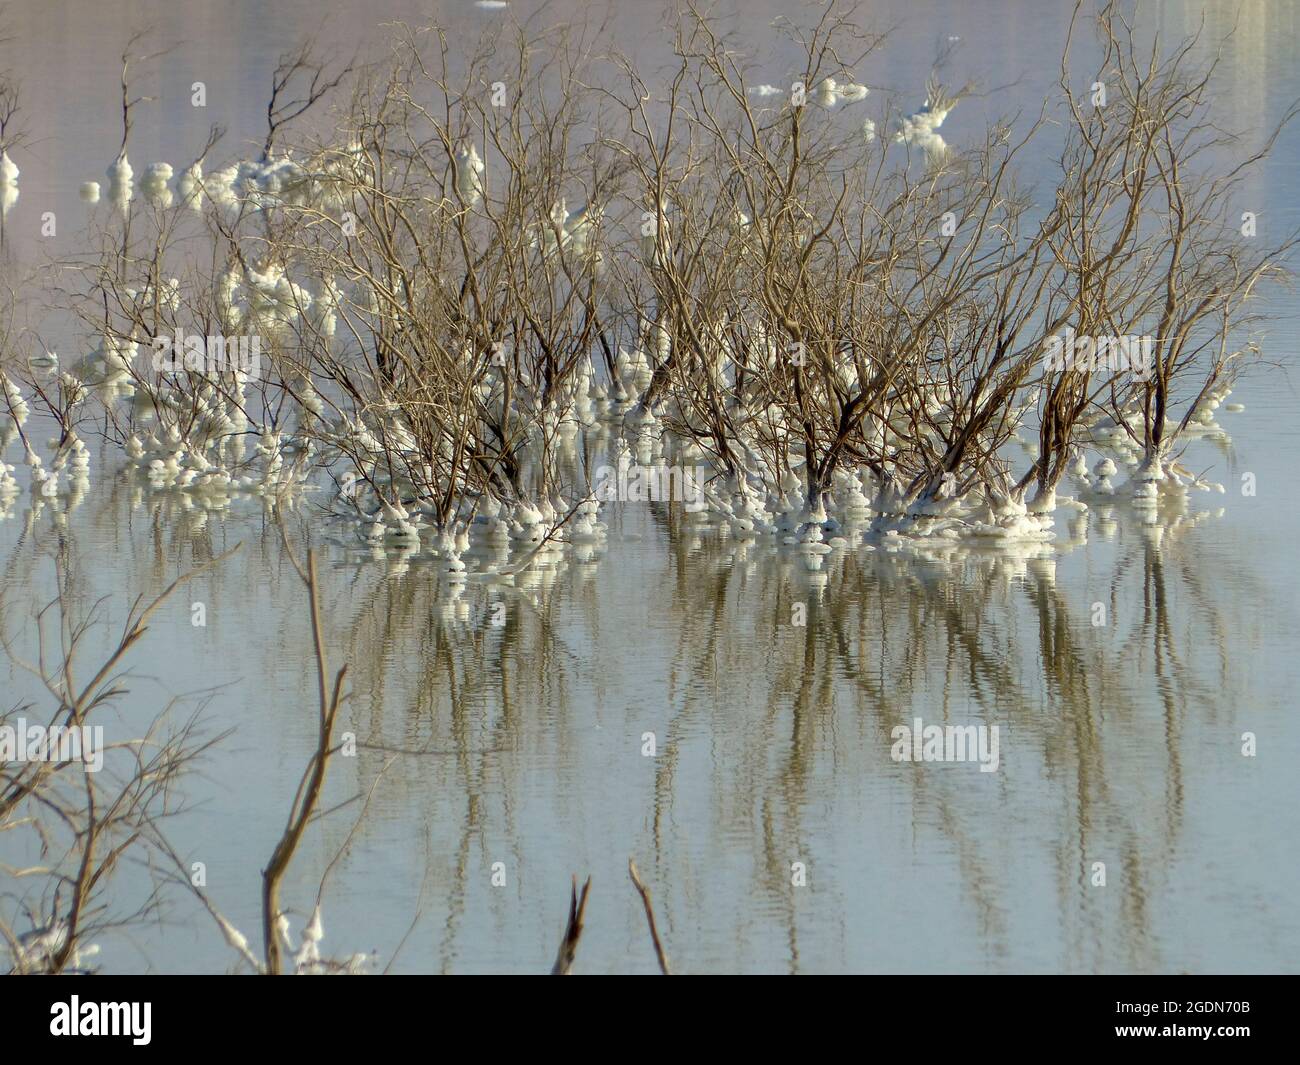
522, 744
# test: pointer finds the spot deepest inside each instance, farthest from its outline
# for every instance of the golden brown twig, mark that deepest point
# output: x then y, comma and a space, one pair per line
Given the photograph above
644, 892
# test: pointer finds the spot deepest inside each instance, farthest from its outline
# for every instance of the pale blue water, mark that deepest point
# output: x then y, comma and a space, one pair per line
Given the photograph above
1118, 744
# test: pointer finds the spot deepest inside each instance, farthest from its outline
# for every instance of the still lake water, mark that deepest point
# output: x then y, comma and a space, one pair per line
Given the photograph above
522, 744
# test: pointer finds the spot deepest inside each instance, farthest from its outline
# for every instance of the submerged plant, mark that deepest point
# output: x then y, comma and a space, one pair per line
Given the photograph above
449, 302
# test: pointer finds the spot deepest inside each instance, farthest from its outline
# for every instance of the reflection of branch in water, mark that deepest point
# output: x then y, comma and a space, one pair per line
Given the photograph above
760, 718
1056, 684
425, 751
